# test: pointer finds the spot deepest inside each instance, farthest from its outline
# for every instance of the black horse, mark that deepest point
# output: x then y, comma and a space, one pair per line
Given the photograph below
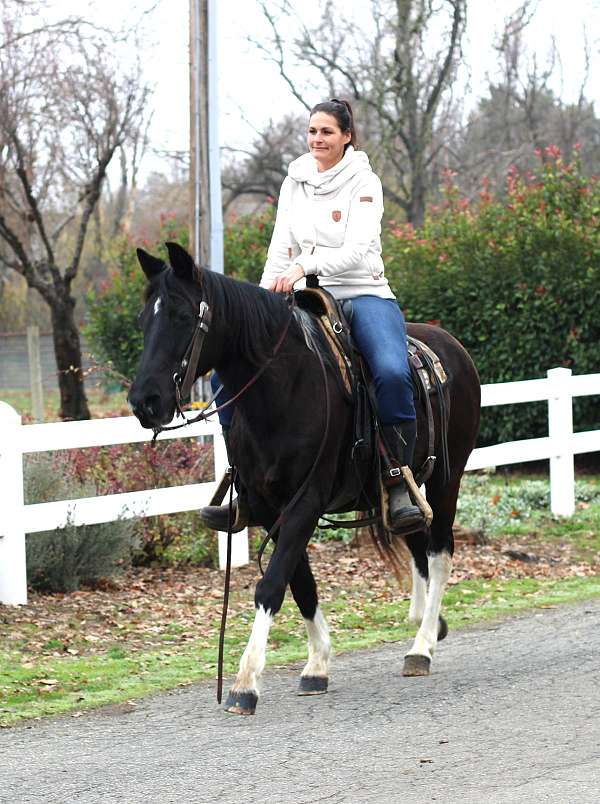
277, 433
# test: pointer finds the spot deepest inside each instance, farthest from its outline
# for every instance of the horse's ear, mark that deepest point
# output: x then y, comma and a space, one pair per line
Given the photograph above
151, 266
181, 262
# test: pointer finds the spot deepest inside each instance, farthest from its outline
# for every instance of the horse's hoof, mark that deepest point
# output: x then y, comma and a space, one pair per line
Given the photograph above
313, 685
415, 665
442, 629
241, 703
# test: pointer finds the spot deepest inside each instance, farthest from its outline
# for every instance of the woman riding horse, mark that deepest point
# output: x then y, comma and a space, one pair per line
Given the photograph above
329, 225
292, 433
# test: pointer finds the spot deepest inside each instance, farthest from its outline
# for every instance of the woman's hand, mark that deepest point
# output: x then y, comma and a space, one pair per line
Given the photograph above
285, 282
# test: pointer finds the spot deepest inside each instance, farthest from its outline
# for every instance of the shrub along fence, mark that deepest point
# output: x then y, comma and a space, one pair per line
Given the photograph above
18, 519
558, 389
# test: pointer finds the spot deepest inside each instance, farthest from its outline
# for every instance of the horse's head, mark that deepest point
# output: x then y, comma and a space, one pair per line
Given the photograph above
169, 321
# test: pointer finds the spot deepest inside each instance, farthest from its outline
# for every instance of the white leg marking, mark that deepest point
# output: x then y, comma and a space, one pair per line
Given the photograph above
319, 646
418, 595
253, 659
440, 567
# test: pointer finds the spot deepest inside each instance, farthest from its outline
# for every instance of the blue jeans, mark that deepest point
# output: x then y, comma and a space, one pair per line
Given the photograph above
379, 332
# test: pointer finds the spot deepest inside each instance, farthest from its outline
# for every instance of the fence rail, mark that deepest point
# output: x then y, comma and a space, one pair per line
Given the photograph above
558, 388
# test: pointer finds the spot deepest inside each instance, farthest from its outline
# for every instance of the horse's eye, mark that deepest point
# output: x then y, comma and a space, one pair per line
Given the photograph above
179, 315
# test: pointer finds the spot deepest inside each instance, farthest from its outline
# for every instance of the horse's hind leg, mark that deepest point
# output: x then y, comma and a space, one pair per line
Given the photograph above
420, 572
417, 543
433, 627
315, 676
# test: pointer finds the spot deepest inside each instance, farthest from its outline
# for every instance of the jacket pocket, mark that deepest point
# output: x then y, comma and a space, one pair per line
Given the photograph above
331, 218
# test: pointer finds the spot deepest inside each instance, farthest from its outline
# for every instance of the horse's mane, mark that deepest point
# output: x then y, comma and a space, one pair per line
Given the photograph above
253, 317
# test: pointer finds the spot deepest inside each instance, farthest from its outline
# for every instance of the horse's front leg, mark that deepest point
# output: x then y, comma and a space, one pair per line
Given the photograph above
293, 537
314, 679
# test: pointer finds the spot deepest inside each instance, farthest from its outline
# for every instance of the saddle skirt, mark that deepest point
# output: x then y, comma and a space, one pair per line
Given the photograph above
428, 372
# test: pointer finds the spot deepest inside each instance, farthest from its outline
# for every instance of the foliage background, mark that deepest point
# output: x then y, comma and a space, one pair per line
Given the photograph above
513, 274
516, 279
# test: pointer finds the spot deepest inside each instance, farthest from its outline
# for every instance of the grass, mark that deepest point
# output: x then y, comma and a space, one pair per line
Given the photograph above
100, 402
52, 686
51, 661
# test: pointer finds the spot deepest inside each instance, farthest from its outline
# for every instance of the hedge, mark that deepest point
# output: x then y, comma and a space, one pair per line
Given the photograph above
515, 279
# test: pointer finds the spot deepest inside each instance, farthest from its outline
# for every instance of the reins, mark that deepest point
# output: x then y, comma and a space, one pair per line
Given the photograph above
189, 366
225, 597
276, 525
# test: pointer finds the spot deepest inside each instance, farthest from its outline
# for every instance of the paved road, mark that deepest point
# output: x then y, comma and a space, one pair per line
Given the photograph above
510, 714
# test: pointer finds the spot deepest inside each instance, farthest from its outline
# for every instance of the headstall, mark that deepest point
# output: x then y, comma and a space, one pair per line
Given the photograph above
185, 377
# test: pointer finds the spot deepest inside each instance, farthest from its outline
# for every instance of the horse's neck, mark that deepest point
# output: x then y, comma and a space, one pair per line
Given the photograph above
240, 337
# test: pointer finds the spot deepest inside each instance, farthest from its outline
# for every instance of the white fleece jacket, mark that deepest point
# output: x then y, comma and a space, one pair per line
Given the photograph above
330, 224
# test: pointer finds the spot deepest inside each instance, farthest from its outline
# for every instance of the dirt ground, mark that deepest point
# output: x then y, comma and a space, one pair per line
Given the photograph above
145, 603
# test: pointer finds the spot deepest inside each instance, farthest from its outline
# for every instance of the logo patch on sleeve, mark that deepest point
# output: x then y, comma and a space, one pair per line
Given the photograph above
336, 215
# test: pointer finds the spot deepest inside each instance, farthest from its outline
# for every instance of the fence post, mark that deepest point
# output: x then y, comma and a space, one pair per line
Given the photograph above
35, 373
239, 543
560, 430
13, 574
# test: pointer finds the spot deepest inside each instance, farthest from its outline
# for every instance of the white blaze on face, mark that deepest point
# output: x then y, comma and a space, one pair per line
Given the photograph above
157, 305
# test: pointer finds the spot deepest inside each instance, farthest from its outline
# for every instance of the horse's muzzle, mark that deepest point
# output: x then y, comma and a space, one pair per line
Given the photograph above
149, 409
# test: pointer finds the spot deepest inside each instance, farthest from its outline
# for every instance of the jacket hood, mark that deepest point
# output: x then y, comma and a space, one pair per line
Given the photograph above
304, 169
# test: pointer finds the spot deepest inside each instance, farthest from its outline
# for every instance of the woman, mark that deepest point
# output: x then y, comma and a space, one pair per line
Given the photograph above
329, 224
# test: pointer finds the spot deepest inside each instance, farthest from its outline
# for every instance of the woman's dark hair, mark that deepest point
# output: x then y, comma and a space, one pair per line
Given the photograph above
342, 111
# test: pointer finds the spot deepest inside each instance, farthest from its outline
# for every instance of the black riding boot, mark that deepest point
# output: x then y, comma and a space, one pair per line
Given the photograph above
217, 516
400, 440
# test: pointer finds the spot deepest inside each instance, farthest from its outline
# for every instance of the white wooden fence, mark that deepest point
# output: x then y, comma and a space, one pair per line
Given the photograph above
17, 519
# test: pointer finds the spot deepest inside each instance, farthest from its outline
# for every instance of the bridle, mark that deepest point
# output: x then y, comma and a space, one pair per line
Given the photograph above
185, 376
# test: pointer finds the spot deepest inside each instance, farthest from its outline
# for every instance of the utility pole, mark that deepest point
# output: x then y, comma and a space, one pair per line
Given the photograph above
206, 229
205, 174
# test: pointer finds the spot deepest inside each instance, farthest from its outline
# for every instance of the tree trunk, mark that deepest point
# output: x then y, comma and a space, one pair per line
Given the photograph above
67, 349
416, 211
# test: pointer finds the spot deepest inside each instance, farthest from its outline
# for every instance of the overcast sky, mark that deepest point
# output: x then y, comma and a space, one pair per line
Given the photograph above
249, 84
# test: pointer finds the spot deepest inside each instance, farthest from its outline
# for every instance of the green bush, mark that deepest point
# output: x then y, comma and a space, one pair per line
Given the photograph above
64, 559
493, 507
246, 242
113, 330
517, 281
135, 467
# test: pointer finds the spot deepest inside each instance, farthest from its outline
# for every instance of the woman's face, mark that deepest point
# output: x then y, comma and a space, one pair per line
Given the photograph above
326, 140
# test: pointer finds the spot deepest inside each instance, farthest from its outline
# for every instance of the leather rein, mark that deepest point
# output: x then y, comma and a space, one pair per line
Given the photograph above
185, 376
183, 380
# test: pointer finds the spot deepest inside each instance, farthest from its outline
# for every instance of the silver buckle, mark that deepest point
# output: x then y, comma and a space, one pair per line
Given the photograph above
203, 309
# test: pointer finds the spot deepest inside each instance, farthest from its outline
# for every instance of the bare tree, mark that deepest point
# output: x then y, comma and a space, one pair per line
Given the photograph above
65, 110
522, 113
400, 73
261, 168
